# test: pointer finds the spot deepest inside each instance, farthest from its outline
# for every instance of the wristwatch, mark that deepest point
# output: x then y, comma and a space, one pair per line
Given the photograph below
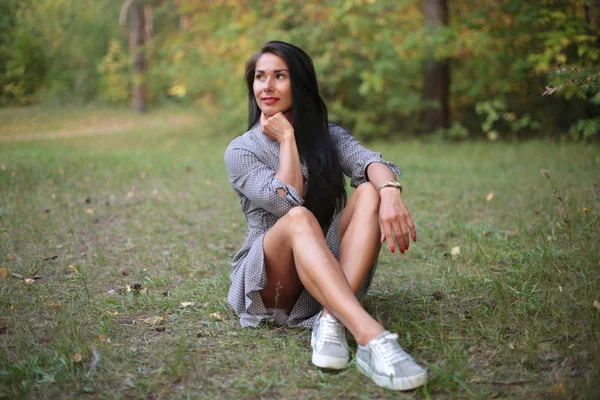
393, 184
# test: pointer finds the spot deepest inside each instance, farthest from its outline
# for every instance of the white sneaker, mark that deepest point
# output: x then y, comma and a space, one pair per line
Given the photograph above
388, 365
328, 341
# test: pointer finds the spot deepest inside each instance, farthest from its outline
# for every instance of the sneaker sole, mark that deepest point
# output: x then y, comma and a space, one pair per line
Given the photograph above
327, 362
406, 383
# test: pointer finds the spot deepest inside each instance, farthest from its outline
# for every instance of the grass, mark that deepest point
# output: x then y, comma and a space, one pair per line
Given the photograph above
126, 227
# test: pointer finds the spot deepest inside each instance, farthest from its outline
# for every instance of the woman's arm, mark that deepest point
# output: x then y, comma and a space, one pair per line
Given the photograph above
394, 219
278, 128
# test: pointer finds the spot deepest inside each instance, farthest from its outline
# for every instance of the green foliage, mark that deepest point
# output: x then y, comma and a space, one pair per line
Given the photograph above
498, 118
585, 128
114, 83
368, 54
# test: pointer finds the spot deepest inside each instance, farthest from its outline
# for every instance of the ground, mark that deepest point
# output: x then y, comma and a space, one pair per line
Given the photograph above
117, 232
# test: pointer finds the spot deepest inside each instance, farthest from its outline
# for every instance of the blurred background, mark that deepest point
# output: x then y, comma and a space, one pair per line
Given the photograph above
490, 69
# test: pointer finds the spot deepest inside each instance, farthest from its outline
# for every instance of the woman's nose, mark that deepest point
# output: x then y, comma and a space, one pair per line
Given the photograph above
268, 84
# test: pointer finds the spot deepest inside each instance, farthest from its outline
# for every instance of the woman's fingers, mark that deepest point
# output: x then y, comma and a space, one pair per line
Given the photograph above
412, 228
402, 238
389, 236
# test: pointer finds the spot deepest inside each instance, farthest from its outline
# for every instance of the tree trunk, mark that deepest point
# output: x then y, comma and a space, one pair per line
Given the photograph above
436, 75
140, 64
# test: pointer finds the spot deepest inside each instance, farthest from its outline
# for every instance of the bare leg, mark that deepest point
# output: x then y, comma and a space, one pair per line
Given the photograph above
359, 233
297, 256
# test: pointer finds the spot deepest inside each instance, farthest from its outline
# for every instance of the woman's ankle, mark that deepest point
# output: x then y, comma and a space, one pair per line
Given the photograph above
369, 334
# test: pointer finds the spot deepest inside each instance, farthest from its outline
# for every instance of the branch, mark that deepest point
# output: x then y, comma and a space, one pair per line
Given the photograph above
124, 12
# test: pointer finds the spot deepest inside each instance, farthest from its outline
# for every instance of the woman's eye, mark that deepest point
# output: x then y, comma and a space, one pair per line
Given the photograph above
281, 76
259, 77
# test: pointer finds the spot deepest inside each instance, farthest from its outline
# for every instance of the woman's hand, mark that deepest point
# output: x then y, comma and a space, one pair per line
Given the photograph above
276, 127
395, 221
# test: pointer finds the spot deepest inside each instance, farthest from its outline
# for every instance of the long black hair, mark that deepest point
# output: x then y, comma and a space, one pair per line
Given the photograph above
326, 193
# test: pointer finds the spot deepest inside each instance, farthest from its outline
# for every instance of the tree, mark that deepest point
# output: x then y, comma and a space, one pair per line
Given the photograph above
436, 75
137, 41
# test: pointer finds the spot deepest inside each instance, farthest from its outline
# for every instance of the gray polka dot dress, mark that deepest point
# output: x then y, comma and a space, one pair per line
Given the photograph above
252, 161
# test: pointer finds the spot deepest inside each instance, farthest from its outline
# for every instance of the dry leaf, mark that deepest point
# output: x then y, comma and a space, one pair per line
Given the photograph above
597, 305
490, 196
185, 304
4, 273
216, 316
29, 281
12, 307
43, 217
103, 338
152, 321
74, 268
558, 388
10, 257
113, 313
76, 357
89, 210
455, 252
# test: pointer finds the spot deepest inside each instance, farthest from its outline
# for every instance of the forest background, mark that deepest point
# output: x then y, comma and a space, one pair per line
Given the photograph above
472, 68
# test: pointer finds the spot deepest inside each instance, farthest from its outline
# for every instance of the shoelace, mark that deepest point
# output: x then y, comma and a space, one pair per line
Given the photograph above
389, 350
330, 330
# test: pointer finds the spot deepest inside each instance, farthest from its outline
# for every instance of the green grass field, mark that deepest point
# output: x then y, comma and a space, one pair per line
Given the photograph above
115, 255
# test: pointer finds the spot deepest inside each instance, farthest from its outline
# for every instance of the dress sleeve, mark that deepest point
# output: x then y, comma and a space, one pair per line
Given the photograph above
354, 158
252, 178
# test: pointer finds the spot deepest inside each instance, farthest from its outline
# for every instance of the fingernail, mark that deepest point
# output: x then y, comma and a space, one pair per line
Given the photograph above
402, 251
393, 249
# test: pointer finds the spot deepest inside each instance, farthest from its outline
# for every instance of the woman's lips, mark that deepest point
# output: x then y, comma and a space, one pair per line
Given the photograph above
270, 100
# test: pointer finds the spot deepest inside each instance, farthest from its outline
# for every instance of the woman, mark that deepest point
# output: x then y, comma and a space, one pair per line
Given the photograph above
311, 253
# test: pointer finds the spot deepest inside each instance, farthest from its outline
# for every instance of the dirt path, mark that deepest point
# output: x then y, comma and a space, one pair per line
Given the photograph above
111, 127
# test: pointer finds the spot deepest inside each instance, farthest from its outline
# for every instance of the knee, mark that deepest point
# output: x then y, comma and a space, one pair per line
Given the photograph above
300, 218
367, 197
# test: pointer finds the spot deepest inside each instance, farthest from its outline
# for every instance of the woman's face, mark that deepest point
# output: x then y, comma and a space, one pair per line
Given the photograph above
272, 86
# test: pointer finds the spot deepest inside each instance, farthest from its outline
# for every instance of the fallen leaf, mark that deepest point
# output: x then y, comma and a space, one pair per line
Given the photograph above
43, 217
490, 196
89, 210
113, 313
102, 338
152, 321
10, 257
4, 273
129, 382
76, 357
12, 307
74, 268
216, 316
545, 172
558, 388
185, 304
455, 252
597, 305
29, 281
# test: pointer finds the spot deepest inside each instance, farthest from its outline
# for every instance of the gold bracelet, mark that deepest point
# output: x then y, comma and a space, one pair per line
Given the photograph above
393, 184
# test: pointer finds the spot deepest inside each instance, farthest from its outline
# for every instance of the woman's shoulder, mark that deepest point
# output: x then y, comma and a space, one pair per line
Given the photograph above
246, 140
337, 131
